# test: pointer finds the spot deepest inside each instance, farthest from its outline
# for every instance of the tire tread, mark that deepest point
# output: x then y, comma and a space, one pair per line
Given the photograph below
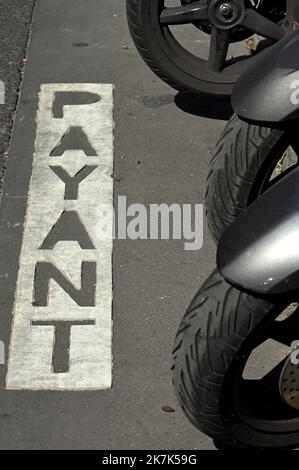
239, 155
205, 346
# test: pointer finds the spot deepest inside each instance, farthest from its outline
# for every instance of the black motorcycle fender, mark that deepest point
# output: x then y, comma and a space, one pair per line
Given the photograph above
269, 90
260, 251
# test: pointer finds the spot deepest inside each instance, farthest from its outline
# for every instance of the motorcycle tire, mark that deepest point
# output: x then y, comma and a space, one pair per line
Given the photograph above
219, 331
177, 66
248, 160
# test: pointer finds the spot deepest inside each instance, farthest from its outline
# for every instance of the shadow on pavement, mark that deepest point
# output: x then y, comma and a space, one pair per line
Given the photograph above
204, 107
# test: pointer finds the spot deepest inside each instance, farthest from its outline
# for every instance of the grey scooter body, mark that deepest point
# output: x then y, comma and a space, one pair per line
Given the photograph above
260, 251
269, 91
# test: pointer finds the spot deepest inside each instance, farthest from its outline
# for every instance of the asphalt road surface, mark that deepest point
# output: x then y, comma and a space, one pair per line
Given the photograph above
163, 143
15, 24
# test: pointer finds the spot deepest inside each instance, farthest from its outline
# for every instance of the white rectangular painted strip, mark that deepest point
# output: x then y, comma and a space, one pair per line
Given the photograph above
67, 113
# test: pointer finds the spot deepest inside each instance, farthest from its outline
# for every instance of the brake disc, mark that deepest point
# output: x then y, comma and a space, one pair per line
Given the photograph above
289, 383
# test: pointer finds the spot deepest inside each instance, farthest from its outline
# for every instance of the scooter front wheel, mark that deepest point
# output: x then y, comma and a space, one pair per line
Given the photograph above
248, 160
198, 56
220, 391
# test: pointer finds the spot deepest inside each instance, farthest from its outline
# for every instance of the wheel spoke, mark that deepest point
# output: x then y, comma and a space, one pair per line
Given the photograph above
272, 377
259, 24
218, 49
283, 331
190, 13
269, 184
270, 380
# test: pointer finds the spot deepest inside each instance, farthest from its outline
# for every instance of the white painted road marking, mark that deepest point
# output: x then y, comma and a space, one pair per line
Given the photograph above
62, 322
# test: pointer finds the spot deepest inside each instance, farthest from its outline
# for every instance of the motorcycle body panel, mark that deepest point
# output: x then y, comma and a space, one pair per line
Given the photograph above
260, 251
268, 92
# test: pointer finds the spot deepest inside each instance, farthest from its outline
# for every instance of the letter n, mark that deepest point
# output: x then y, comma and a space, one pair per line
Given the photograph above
85, 296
